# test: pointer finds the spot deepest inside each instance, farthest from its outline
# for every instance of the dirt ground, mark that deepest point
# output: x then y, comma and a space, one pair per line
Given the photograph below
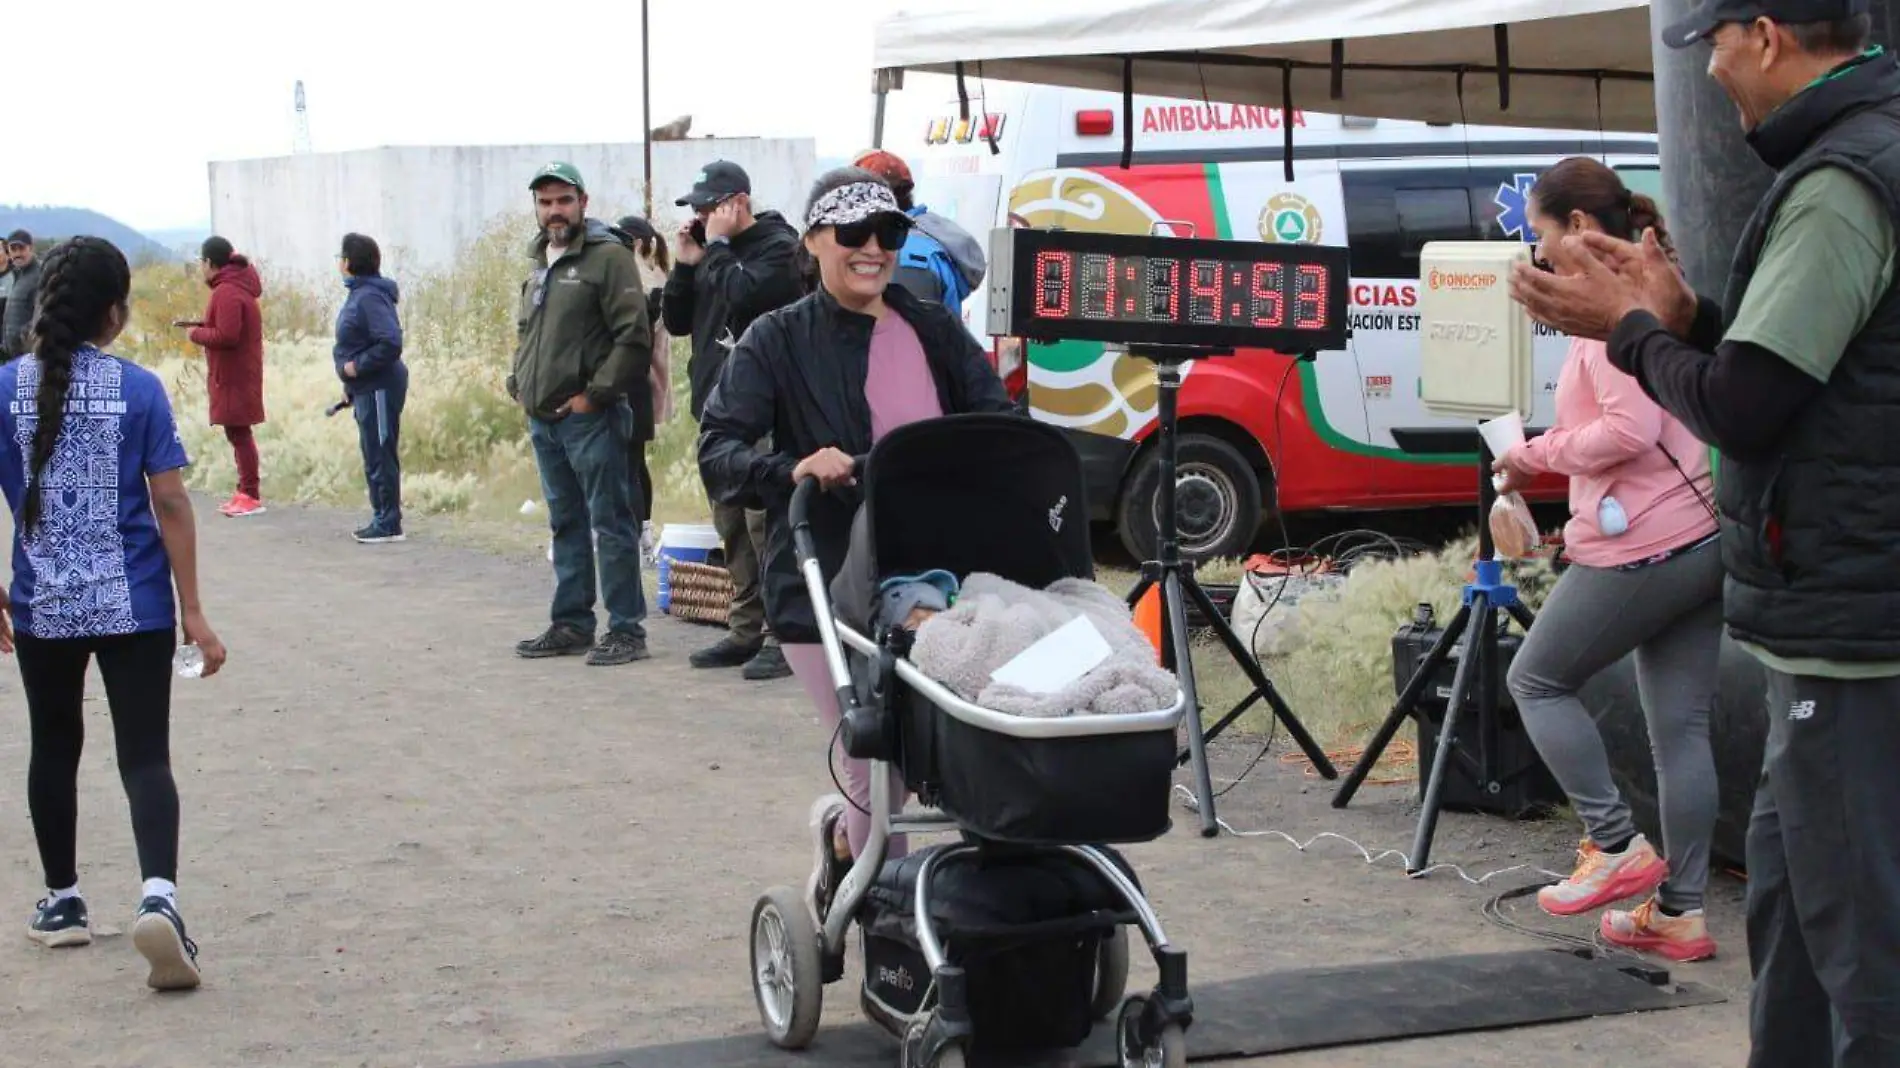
403, 846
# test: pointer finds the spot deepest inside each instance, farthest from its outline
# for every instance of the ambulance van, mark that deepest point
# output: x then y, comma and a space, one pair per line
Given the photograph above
1260, 430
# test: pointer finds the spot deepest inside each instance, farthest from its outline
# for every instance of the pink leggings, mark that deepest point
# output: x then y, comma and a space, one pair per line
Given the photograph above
808, 663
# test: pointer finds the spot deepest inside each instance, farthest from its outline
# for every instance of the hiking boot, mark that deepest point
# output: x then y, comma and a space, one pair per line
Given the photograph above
1602, 878
558, 640
727, 652
618, 647
1681, 938
375, 535
828, 869
159, 935
60, 923
768, 664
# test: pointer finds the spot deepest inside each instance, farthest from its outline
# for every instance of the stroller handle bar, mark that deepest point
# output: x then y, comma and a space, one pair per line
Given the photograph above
852, 716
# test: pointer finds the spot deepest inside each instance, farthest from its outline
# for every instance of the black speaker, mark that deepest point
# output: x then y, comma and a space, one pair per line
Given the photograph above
1520, 786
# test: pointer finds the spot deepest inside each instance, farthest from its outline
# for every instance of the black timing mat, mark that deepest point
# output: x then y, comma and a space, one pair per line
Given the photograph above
1308, 1009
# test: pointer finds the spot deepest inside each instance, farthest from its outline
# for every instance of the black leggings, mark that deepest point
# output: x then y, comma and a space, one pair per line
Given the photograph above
137, 669
637, 466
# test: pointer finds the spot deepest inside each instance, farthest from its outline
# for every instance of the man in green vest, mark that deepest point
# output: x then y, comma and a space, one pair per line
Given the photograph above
1795, 377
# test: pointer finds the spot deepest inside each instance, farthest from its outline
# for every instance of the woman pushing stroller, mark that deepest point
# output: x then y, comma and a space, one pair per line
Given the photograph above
826, 378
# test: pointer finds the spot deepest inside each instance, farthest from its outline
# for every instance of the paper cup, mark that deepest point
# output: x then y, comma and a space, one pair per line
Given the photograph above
1503, 433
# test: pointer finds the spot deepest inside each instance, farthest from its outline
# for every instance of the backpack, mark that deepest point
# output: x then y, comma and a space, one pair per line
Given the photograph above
925, 268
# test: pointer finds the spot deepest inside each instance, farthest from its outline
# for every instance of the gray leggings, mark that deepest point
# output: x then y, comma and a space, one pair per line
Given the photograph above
1670, 614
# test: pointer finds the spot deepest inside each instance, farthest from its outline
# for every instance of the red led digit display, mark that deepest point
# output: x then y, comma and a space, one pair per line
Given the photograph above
1309, 307
1269, 302
1175, 291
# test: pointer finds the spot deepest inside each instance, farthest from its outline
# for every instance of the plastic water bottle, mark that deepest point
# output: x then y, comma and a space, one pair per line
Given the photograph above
190, 662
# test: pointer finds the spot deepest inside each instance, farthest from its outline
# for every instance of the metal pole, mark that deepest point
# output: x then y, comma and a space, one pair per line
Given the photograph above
646, 108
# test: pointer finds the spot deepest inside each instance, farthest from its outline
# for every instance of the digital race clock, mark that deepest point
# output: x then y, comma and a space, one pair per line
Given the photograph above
1132, 289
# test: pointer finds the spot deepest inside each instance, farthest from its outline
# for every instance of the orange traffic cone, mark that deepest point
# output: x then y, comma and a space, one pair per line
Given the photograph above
1148, 618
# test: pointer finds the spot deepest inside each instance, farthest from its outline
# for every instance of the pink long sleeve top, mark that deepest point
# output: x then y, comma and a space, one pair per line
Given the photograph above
1609, 438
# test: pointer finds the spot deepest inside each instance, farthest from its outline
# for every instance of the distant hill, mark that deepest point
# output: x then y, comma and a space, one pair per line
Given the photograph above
55, 223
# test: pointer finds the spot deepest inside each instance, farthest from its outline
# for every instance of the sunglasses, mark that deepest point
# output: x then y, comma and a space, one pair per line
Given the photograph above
890, 230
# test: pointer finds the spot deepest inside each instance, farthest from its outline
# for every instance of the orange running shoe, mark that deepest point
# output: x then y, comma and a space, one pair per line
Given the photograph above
1680, 938
1604, 878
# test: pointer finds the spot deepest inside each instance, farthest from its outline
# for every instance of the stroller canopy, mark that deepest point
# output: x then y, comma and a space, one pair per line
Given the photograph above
996, 493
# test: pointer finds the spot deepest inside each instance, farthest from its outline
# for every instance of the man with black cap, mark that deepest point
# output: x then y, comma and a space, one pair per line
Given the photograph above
585, 340
17, 319
731, 266
1795, 377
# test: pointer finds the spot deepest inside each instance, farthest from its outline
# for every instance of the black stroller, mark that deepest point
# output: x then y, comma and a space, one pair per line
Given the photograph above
1013, 939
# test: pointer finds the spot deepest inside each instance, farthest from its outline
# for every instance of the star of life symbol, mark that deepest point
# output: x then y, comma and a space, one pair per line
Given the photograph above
1513, 201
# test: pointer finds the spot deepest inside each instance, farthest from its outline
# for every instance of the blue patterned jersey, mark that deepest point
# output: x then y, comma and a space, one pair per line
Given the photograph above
95, 565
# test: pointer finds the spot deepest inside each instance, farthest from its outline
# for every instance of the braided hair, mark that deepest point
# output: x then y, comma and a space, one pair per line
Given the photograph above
86, 278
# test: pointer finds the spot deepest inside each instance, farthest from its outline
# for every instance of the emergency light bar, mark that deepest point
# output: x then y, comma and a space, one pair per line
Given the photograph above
1475, 341
1053, 285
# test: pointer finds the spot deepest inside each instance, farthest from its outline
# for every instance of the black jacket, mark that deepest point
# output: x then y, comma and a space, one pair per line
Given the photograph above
733, 284
798, 377
1808, 529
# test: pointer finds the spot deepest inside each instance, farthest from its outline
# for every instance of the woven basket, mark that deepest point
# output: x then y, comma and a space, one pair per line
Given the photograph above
699, 593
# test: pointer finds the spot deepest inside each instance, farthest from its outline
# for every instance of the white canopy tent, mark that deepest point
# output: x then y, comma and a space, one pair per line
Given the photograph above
1566, 64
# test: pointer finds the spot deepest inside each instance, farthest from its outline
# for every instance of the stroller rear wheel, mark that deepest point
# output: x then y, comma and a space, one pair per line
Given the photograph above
786, 976
1111, 975
1165, 1048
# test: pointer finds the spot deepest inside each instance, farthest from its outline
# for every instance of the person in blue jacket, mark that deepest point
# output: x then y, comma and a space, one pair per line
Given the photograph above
940, 260
369, 360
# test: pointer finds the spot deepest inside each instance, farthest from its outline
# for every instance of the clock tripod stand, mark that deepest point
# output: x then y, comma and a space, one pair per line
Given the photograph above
1178, 585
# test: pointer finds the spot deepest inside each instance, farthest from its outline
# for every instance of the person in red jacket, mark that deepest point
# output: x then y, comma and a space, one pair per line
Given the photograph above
232, 335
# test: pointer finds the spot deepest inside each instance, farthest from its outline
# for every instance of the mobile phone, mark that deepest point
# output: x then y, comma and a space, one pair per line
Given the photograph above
698, 231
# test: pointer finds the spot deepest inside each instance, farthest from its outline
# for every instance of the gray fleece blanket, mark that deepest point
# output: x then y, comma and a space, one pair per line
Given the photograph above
995, 619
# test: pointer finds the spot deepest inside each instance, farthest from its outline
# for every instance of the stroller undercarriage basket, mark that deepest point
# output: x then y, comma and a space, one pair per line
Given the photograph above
1027, 929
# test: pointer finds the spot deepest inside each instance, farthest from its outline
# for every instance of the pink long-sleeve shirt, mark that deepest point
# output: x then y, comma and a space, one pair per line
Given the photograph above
1609, 439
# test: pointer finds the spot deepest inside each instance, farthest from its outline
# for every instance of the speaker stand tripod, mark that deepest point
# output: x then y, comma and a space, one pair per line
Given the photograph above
1477, 623
1178, 585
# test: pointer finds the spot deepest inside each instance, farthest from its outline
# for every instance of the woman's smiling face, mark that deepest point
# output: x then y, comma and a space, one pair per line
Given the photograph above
854, 276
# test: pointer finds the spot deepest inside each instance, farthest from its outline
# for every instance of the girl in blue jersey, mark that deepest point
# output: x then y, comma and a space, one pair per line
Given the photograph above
91, 466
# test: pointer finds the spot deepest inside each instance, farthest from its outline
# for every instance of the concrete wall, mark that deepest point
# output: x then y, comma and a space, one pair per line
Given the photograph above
424, 205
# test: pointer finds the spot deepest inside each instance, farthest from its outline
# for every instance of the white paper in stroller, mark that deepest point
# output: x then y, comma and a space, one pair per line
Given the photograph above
1060, 658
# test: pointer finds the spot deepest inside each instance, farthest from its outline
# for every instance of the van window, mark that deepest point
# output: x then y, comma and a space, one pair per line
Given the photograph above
1647, 181
1390, 215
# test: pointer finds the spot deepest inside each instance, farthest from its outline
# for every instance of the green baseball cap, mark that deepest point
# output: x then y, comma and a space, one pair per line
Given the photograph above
559, 171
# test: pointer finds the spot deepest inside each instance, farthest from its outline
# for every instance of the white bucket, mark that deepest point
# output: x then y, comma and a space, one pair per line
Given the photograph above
687, 542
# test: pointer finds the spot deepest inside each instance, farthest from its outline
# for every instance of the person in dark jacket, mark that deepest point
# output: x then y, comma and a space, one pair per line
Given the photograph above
731, 267
585, 339
25, 278
1796, 379
232, 335
823, 379
368, 357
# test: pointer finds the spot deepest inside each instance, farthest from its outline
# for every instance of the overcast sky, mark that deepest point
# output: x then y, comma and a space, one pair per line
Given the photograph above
122, 103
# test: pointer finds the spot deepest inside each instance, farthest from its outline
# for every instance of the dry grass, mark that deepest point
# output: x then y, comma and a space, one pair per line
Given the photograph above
465, 448
1338, 680
468, 467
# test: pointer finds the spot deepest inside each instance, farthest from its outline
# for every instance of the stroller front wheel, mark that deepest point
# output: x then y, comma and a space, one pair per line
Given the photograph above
1141, 1045
786, 977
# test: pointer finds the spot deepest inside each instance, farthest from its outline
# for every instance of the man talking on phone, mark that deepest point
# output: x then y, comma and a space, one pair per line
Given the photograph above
730, 267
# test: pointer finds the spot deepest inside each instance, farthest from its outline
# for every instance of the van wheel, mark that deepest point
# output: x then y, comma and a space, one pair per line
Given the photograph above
1216, 501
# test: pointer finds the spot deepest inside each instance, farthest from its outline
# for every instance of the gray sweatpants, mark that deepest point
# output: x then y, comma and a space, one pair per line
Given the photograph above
1670, 614
1824, 877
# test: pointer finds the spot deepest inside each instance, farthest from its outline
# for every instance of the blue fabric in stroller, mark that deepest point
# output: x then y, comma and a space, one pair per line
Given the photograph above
1032, 890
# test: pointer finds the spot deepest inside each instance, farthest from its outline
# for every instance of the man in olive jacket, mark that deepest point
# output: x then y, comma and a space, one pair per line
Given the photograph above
585, 340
